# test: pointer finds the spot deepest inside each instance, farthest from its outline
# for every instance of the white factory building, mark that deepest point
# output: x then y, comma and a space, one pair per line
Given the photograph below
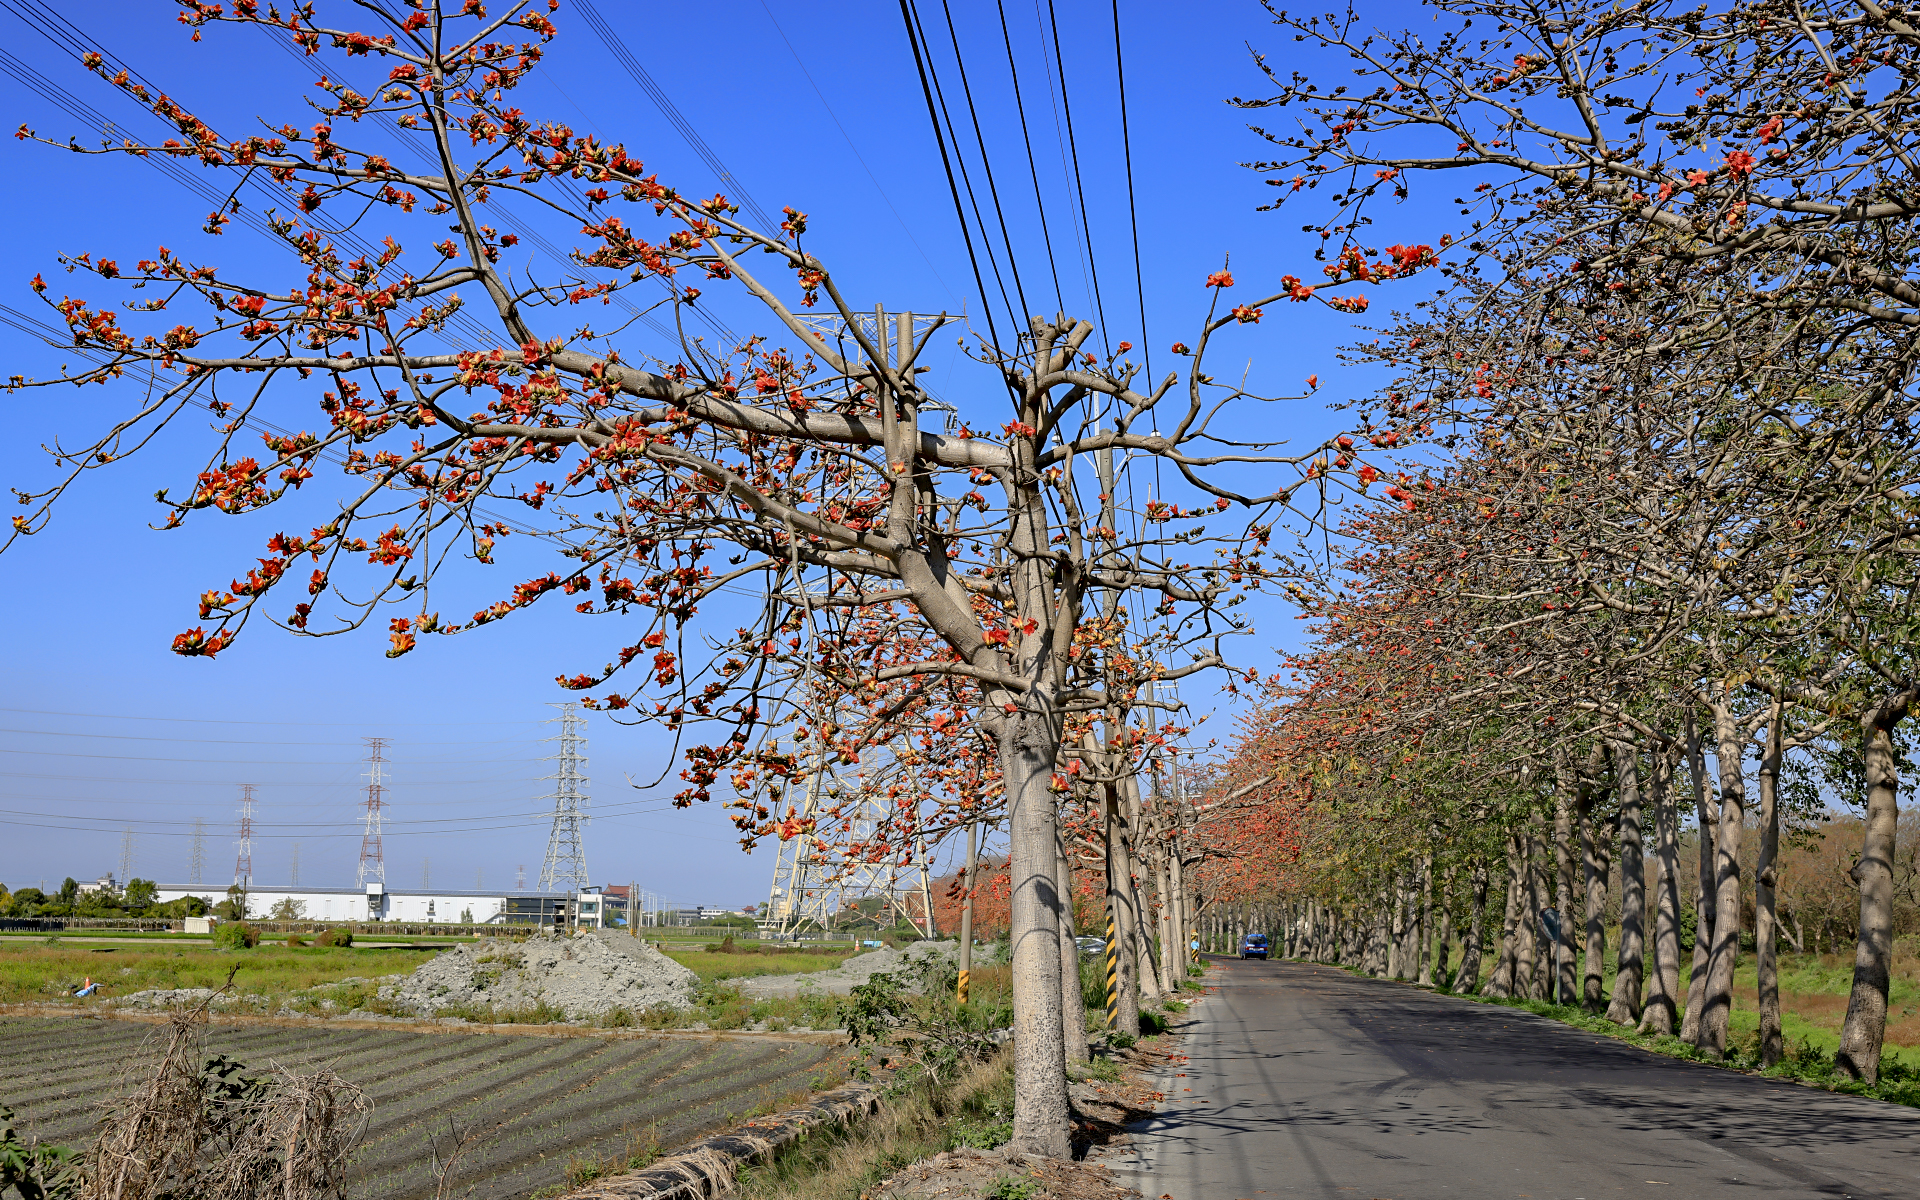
374, 902
421, 906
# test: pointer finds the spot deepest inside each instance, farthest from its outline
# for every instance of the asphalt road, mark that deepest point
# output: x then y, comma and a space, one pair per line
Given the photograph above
1306, 1081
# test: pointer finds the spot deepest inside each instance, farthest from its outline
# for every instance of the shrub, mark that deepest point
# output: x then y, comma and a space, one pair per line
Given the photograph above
294, 939
236, 936
334, 937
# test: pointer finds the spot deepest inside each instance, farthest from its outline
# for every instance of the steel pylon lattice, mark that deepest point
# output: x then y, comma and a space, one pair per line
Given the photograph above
565, 869
243, 858
812, 884
373, 856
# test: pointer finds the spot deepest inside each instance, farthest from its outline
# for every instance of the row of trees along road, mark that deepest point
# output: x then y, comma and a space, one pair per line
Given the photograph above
1636, 496
953, 604
1670, 531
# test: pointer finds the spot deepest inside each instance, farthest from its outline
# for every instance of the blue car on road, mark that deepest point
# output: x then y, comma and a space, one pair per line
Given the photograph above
1253, 945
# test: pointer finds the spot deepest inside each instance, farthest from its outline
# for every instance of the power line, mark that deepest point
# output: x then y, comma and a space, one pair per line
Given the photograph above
986, 166
911, 19
622, 55
1033, 168
1079, 186
851, 145
1126, 143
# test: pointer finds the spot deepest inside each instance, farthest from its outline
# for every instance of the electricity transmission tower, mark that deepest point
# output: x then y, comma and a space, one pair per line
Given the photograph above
520, 878
293, 872
565, 869
373, 858
243, 860
197, 860
811, 884
126, 855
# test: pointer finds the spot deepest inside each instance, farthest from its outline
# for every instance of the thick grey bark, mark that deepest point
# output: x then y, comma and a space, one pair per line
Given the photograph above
1029, 745
1625, 1006
1597, 864
1475, 944
1125, 915
1531, 974
1663, 983
1717, 1004
1865, 1029
1397, 930
1146, 975
1506, 961
1423, 927
966, 909
1443, 931
1560, 976
1706, 816
1765, 928
1073, 1002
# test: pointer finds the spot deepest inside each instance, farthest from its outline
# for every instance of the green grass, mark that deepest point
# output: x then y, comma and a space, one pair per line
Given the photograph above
33, 972
710, 965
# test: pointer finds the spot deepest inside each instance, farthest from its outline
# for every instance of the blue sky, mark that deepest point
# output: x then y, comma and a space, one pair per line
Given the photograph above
103, 729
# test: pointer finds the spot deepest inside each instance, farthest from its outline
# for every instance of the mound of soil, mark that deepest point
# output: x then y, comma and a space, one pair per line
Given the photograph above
849, 974
585, 975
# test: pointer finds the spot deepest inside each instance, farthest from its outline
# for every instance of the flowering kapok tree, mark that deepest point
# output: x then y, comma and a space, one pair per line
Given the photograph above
795, 464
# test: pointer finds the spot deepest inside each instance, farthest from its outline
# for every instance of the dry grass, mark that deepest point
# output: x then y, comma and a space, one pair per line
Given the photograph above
186, 1124
842, 1163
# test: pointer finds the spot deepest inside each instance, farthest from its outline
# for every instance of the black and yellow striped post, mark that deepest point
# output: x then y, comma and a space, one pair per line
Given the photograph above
1113, 971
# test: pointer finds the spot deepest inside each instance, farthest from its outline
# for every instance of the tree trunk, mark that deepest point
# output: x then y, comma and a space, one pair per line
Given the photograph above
1866, 1024
1527, 966
1663, 983
1073, 1001
1629, 970
1593, 877
1475, 945
1706, 815
1146, 975
1182, 914
1717, 1010
966, 913
1397, 929
1506, 963
1560, 978
1597, 891
1125, 915
1029, 747
1443, 932
1765, 960
1423, 927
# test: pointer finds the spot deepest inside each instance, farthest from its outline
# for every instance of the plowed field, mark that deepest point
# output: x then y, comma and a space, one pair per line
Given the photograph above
555, 1100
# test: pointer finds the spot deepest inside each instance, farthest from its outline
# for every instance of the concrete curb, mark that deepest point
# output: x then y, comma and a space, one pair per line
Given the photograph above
709, 1166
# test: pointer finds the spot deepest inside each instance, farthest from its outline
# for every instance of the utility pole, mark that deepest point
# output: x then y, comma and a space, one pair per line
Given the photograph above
373, 858
197, 857
966, 913
243, 861
565, 868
